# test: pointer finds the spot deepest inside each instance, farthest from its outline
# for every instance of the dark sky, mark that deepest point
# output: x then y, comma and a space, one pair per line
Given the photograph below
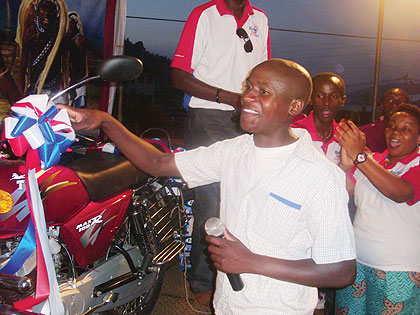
352, 58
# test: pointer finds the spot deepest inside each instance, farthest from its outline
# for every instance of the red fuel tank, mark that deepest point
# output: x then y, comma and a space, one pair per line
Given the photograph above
62, 193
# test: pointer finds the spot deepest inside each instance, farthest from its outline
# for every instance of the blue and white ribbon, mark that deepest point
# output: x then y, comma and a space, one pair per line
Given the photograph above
45, 128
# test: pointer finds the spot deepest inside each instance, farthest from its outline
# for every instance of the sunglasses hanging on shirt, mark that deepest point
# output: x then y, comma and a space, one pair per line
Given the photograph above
242, 34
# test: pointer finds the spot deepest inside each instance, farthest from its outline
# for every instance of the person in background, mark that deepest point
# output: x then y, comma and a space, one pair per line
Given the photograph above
43, 47
221, 42
387, 221
285, 237
77, 60
375, 131
327, 97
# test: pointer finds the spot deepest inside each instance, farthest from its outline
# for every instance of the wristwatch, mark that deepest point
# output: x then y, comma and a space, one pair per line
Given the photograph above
360, 158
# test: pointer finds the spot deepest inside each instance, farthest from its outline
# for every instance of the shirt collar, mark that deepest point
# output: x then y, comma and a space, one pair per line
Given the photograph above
309, 124
304, 149
382, 157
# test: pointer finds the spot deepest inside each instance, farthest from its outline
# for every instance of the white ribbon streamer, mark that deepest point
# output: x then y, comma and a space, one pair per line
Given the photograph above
54, 303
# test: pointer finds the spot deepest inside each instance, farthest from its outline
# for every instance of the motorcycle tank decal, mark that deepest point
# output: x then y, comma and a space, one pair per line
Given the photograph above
62, 193
91, 243
46, 188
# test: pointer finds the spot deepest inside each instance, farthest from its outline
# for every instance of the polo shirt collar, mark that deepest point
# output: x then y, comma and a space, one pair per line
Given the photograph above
309, 124
382, 157
223, 9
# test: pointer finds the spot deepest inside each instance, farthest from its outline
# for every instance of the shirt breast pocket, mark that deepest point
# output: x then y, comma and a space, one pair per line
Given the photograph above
278, 220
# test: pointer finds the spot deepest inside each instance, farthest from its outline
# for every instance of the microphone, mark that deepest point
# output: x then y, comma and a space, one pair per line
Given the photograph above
215, 227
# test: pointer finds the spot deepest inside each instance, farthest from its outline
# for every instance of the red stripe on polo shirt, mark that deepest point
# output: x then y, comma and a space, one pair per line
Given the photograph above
411, 175
183, 54
268, 37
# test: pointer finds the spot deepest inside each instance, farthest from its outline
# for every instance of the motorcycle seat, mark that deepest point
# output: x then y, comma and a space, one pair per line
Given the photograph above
105, 174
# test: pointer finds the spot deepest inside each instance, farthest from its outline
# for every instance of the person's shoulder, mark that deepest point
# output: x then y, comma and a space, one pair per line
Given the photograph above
311, 156
200, 13
197, 11
260, 14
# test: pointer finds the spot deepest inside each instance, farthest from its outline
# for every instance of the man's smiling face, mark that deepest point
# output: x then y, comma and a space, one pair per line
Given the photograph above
265, 102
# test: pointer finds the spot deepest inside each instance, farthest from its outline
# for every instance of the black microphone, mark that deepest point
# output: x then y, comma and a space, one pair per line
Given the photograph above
215, 227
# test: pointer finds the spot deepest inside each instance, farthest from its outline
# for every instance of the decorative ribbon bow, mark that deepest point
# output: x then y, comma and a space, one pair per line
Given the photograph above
40, 125
37, 126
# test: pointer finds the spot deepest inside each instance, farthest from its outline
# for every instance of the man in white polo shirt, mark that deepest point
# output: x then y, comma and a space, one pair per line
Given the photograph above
222, 40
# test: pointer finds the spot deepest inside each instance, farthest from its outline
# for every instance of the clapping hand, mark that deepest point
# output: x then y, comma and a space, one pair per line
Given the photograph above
351, 139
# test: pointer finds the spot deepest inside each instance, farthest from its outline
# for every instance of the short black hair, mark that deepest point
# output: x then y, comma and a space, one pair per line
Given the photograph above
410, 109
328, 75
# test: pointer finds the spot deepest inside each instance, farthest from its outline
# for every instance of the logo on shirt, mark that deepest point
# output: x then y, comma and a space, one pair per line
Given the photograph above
253, 30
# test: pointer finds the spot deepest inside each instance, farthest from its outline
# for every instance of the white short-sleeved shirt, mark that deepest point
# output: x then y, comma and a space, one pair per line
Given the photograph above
210, 49
387, 233
296, 210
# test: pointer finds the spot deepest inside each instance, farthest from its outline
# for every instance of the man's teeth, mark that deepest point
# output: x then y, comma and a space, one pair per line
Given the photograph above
250, 111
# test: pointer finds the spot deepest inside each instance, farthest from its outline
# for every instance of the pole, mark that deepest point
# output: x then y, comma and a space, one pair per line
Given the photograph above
378, 57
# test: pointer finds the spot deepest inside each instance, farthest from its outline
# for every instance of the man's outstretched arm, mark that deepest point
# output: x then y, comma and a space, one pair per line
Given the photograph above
141, 153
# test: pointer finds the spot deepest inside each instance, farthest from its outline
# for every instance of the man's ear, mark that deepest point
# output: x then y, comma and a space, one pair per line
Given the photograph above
296, 107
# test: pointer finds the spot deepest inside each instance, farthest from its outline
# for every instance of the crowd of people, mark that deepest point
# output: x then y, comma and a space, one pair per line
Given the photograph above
288, 230
205, 70
281, 181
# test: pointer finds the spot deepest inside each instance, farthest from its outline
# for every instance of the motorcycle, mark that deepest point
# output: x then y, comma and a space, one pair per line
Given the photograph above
110, 227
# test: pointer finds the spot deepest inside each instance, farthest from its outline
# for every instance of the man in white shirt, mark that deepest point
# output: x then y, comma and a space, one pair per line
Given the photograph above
288, 229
